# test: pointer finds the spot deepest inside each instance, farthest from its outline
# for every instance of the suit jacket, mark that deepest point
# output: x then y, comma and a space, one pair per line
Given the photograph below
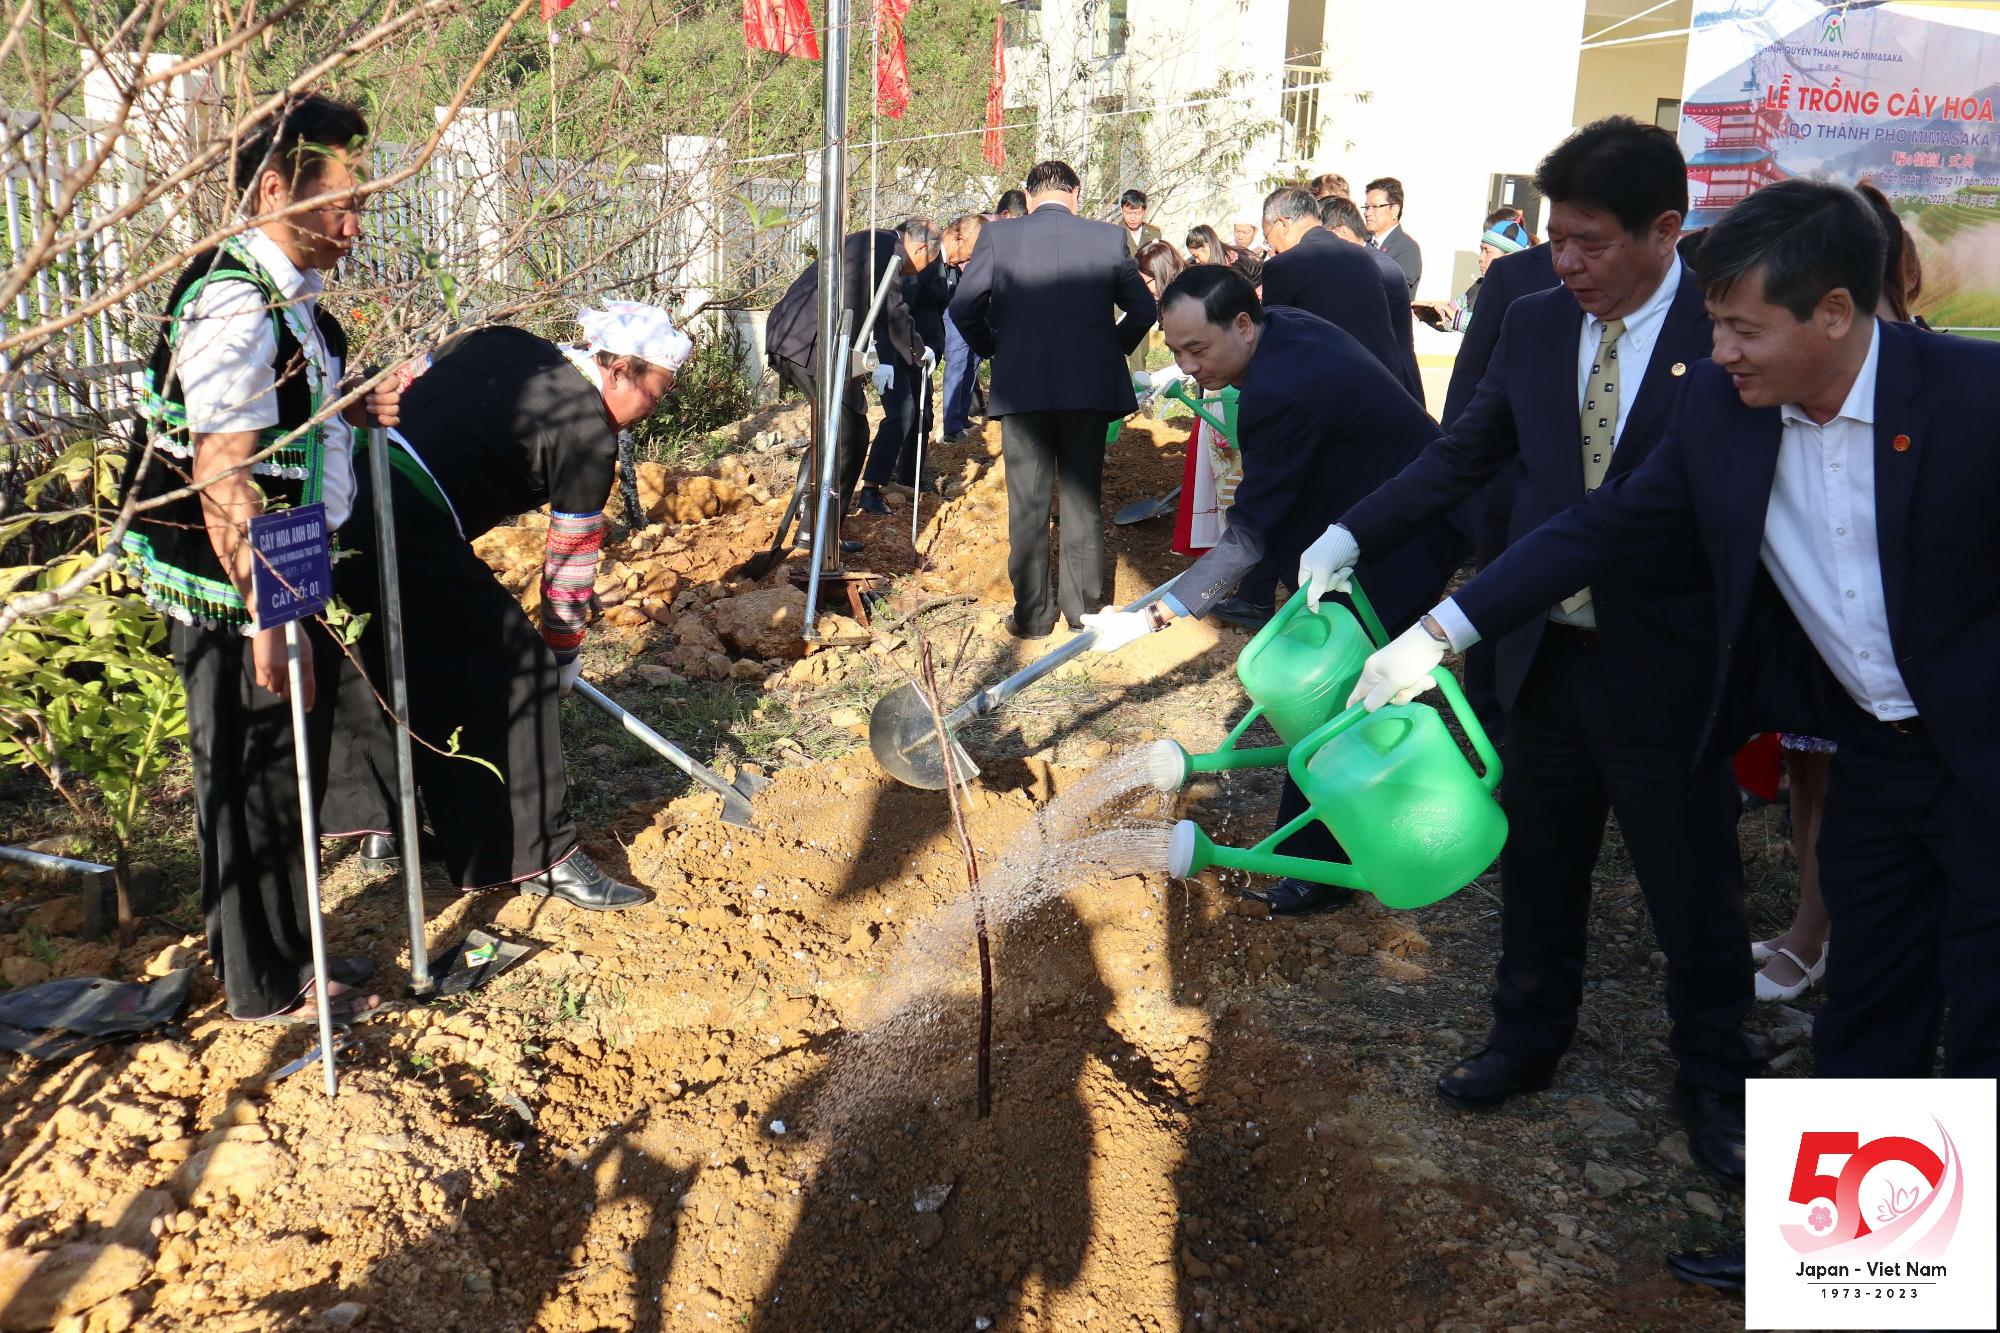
1653, 615
1707, 487
1320, 422
1409, 256
792, 331
928, 294
1148, 233
1508, 277
1396, 291
1039, 298
1338, 281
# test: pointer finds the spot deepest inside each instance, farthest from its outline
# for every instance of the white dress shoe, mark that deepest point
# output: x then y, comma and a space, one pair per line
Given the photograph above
1770, 992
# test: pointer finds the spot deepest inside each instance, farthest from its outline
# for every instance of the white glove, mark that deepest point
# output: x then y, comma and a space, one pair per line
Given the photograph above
1142, 382
885, 375
930, 362
1400, 672
1115, 629
1328, 564
1167, 375
567, 674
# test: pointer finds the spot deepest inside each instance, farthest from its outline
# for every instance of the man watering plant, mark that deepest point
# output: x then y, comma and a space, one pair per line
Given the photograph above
235, 395
1320, 423
500, 424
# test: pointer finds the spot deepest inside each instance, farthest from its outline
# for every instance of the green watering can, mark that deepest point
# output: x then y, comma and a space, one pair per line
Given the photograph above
1392, 785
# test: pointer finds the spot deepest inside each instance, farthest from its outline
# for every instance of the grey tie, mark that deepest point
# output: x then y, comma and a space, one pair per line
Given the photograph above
1598, 420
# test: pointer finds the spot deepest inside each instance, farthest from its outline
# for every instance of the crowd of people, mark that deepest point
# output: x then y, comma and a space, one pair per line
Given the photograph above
1714, 484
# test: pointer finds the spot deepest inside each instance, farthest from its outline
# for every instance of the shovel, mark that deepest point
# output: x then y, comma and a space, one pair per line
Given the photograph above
735, 796
904, 742
1141, 510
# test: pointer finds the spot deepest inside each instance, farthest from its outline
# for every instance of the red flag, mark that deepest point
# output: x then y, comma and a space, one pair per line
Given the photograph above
892, 66
551, 8
784, 26
996, 101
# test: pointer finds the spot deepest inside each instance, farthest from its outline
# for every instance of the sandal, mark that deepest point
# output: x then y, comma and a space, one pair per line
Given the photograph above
348, 1006
1774, 992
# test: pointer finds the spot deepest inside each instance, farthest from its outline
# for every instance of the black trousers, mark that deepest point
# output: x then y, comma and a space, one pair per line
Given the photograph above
1907, 861
1059, 452
894, 455
253, 888
478, 671
853, 425
1568, 763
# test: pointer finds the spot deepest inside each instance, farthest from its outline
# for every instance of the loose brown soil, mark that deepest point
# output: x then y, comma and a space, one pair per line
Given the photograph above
1202, 1118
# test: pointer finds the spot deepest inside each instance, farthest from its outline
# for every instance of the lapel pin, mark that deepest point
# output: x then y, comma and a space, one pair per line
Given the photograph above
1901, 444
1679, 369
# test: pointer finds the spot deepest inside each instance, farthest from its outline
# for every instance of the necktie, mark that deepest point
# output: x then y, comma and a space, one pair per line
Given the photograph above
1598, 423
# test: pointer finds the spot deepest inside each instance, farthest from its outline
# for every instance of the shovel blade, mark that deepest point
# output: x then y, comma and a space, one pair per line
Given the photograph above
903, 740
1139, 511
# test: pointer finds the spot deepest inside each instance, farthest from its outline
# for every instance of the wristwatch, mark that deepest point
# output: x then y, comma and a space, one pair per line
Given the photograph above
1435, 630
1157, 617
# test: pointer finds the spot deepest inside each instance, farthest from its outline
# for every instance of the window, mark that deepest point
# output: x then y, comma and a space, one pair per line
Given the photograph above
1021, 22
1109, 27
1667, 114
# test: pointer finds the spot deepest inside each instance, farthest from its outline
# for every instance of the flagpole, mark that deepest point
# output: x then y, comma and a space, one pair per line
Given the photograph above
874, 124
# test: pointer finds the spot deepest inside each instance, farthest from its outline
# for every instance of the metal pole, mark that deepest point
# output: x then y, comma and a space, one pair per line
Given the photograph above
826, 514
379, 473
309, 846
833, 371
917, 480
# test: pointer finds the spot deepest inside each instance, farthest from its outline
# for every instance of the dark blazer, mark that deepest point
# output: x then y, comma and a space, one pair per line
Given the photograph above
1409, 256
928, 294
1321, 422
1707, 486
1508, 277
792, 331
1148, 233
1396, 291
1338, 281
1038, 298
1653, 618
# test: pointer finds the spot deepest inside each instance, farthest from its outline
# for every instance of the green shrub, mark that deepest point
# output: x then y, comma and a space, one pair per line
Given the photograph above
711, 392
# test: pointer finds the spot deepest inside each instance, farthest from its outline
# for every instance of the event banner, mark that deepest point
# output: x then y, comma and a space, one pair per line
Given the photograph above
1897, 92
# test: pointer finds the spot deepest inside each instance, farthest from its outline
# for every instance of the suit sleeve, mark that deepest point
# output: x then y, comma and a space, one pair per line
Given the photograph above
1648, 507
896, 336
972, 303
1133, 298
1453, 467
1278, 448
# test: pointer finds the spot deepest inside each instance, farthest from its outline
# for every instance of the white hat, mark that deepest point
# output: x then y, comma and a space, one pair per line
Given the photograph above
633, 328
1246, 217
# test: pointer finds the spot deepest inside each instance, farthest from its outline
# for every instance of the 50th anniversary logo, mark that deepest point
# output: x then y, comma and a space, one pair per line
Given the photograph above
1870, 1203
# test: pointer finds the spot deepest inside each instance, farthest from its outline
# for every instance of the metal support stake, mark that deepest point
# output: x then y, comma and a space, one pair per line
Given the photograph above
833, 370
917, 481
826, 517
379, 473
309, 846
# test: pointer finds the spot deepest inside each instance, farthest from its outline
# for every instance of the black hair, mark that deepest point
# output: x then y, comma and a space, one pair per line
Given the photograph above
1204, 236
295, 139
1330, 184
1290, 202
920, 231
1632, 171
1223, 292
1132, 199
1248, 267
1052, 175
1013, 204
1390, 186
1808, 237
1337, 210
1902, 272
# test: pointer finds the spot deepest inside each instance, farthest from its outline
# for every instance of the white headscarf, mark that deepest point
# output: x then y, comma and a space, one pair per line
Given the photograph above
633, 328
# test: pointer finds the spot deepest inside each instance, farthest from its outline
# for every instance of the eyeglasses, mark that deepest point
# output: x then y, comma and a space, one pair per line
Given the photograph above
1375, 208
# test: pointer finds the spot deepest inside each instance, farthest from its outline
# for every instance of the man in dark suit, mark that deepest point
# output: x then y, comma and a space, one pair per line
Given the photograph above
1383, 209
1342, 220
1139, 233
1313, 270
1837, 475
791, 334
1039, 299
1320, 422
893, 457
1605, 687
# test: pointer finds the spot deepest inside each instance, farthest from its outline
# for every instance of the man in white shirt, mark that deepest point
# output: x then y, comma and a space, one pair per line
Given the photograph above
236, 396
1839, 477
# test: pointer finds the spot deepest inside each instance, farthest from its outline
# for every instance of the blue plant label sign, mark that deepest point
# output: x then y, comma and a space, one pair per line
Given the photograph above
291, 565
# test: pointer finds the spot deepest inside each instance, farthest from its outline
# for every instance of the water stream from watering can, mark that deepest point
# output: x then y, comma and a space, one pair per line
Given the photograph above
914, 1040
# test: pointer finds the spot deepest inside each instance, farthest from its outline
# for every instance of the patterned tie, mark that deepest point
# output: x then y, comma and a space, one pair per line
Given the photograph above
1598, 420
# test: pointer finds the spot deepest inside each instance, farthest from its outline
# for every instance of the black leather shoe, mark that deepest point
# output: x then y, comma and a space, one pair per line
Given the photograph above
1721, 1269
1715, 1131
379, 856
578, 880
1020, 633
353, 971
1295, 897
870, 501
1242, 612
1490, 1078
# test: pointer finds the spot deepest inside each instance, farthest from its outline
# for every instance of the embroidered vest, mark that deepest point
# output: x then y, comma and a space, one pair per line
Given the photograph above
167, 549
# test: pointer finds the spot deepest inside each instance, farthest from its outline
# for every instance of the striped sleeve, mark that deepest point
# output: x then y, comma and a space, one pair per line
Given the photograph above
569, 569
